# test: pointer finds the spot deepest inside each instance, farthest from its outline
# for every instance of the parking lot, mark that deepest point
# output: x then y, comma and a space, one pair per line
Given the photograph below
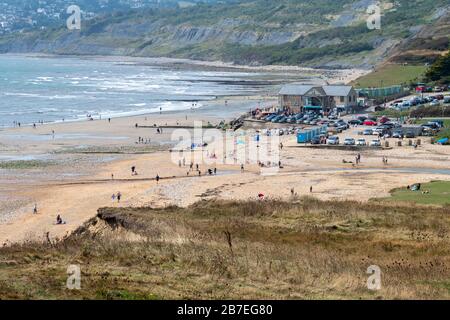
350, 130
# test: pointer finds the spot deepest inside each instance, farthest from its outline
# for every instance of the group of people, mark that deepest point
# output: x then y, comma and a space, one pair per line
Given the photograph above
117, 196
197, 168
142, 140
59, 219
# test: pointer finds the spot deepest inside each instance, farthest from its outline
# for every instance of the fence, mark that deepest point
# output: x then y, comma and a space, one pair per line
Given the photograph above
381, 92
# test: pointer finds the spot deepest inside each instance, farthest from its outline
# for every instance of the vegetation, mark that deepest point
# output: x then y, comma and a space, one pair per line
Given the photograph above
313, 33
438, 194
431, 111
440, 71
242, 250
390, 75
288, 54
391, 113
24, 164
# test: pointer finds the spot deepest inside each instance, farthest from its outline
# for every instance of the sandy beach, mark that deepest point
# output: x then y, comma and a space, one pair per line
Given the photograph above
72, 171
73, 168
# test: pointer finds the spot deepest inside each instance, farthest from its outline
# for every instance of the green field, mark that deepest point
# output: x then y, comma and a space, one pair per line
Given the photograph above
439, 194
390, 75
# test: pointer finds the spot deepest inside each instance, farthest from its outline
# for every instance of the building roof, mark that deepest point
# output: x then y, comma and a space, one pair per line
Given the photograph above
298, 89
295, 89
337, 91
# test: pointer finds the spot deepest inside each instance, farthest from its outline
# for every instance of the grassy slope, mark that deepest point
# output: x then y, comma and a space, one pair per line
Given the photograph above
439, 194
321, 44
391, 74
303, 249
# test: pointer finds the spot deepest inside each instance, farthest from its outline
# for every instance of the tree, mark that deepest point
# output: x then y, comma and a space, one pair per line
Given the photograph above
440, 70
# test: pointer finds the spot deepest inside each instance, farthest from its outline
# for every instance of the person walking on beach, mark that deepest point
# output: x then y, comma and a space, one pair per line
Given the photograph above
242, 168
310, 189
112, 176
35, 210
215, 171
157, 179
119, 196
113, 197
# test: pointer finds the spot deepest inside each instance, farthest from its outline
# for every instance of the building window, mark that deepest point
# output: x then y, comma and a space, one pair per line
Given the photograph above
342, 99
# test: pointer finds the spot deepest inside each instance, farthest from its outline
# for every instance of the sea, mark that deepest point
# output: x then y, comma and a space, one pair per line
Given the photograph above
54, 89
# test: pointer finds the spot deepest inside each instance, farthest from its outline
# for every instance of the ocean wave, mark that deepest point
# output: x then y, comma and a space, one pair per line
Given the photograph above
36, 95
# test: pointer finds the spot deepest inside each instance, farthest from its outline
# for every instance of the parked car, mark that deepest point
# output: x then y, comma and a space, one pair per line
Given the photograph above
379, 130
397, 134
361, 142
334, 140
316, 140
275, 119
410, 135
349, 142
362, 118
435, 103
368, 132
370, 123
375, 143
355, 122
383, 120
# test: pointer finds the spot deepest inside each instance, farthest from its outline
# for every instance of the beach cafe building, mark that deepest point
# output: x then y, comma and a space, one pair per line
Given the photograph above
297, 97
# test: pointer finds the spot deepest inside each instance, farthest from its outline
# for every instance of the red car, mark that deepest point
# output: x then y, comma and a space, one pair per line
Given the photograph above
384, 119
370, 123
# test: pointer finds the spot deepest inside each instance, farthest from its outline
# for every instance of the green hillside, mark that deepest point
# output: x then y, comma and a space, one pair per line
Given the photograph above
331, 33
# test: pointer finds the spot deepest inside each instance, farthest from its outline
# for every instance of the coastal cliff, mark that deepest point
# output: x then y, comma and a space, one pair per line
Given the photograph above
332, 34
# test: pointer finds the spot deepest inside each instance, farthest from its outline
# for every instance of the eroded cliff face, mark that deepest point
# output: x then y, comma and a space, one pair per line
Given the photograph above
243, 39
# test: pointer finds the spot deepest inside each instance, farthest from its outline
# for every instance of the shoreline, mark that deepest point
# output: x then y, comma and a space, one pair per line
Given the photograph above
274, 79
188, 62
206, 109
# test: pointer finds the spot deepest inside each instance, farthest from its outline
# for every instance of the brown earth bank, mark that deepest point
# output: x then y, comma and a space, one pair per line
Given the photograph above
302, 248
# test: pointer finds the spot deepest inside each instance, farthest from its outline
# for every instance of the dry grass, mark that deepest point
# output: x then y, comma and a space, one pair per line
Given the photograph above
305, 249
